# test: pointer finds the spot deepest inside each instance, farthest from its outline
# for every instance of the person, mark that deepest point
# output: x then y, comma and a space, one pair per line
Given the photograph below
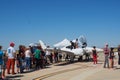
47, 56
11, 53
55, 55
67, 57
94, 53
60, 56
106, 53
119, 55
44, 61
2, 64
37, 56
51, 57
27, 58
72, 45
111, 58
76, 43
20, 59
84, 44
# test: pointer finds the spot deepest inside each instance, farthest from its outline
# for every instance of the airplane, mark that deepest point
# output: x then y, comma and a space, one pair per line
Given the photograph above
65, 48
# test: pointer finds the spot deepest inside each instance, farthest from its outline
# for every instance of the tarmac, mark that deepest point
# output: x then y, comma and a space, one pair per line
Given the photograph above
72, 71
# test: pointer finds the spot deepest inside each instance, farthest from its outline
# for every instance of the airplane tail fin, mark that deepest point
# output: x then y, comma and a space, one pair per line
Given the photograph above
42, 44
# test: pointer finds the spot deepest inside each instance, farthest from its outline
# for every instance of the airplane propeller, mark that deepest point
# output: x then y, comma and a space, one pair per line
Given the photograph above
82, 40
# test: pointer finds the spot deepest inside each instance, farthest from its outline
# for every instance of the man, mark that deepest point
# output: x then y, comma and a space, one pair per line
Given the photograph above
72, 45
106, 53
11, 58
119, 55
37, 56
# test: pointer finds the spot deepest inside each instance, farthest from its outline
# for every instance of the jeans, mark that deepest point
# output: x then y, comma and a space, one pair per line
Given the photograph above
22, 65
106, 61
27, 59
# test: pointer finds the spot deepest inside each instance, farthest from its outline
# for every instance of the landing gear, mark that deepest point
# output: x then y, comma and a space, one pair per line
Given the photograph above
87, 57
72, 58
80, 58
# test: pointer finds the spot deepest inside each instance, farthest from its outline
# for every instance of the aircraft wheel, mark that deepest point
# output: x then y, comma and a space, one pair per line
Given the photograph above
80, 58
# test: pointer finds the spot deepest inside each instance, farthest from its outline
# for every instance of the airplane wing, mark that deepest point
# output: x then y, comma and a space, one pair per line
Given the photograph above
78, 51
99, 50
50, 49
89, 49
60, 50
63, 43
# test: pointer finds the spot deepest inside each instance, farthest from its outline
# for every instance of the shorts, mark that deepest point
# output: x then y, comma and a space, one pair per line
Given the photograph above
3, 66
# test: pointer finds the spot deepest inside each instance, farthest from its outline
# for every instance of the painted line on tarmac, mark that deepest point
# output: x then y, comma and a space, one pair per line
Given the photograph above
60, 72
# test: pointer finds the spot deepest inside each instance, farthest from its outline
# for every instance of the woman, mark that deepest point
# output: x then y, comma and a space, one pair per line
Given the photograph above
27, 58
94, 53
20, 59
111, 57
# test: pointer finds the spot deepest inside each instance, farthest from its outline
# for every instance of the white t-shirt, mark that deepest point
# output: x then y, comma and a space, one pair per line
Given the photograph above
11, 53
47, 53
27, 53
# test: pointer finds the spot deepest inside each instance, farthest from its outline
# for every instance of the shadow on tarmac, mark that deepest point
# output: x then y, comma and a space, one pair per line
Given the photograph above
13, 77
71, 62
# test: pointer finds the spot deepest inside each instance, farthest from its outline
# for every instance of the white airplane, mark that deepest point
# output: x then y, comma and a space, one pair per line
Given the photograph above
64, 47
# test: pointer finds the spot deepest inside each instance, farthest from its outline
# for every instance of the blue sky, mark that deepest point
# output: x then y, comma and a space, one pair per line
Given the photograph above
26, 21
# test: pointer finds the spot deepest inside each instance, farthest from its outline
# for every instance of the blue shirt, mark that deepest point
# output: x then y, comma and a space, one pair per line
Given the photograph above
1, 59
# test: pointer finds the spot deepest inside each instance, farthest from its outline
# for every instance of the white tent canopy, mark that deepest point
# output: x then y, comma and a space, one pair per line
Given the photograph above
63, 43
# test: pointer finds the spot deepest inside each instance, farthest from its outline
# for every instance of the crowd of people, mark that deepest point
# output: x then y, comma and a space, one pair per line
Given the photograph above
28, 58
109, 56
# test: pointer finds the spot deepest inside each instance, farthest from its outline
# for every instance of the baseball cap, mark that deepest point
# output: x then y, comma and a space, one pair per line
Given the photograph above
12, 44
